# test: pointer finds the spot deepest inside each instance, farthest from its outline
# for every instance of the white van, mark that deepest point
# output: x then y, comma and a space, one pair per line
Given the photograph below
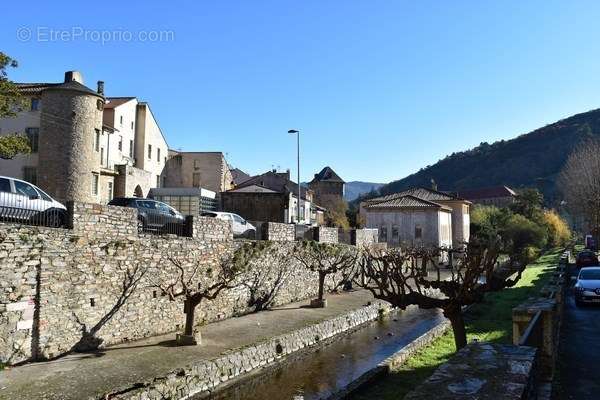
240, 227
21, 201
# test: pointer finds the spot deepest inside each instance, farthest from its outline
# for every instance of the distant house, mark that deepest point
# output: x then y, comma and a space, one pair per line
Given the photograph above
272, 197
327, 186
238, 176
418, 217
499, 196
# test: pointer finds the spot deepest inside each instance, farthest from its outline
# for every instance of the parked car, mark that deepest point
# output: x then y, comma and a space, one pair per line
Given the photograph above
590, 243
22, 201
586, 258
240, 227
153, 215
587, 287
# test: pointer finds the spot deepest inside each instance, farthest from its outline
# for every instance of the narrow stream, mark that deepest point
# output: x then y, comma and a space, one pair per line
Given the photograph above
316, 374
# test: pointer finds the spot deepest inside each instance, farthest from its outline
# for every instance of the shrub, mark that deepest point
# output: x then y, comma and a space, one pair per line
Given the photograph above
558, 230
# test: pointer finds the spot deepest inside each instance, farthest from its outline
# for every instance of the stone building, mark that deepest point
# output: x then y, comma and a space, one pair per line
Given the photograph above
328, 187
419, 216
271, 197
85, 146
195, 169
499, 196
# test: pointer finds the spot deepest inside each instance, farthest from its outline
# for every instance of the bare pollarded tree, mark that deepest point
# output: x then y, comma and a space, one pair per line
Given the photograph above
326, 259
194, 281
397, 276
268, 271
579, 182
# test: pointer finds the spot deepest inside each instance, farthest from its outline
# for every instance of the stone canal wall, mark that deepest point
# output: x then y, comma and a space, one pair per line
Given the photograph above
57, 285
200, 378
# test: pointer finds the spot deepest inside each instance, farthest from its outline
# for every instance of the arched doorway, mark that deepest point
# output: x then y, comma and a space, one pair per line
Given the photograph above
138, 192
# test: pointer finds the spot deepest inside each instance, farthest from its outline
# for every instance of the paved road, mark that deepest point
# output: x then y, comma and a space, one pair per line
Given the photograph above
579, 358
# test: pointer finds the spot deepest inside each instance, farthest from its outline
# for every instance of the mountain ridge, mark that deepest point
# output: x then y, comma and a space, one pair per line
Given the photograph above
532, 159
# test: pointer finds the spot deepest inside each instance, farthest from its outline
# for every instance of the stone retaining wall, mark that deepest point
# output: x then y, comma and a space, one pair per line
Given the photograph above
324, 234
56, 284
278, 232
482, 371
201, 377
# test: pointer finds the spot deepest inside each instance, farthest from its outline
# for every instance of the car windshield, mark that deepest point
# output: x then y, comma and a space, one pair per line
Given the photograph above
589, 275
587, 254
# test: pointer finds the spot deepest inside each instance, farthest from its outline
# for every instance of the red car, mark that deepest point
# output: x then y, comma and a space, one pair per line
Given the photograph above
587, 258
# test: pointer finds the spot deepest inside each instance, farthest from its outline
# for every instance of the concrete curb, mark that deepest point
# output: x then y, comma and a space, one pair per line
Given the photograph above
392, 361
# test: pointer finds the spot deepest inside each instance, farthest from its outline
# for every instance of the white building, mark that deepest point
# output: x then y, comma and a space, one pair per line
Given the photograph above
86, 146
418, 217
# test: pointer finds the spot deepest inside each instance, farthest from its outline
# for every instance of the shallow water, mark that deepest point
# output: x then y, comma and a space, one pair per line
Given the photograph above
319, 373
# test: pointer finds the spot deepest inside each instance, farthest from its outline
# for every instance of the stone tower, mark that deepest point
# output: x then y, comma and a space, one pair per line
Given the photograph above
328, 187
71, 122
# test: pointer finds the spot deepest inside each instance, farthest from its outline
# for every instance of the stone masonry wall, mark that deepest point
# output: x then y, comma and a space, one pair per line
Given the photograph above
364, 237
92, 220
279, 232
324, 234
56, 284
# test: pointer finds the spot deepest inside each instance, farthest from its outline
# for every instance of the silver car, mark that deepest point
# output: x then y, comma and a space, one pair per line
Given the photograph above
587, 288
23, 202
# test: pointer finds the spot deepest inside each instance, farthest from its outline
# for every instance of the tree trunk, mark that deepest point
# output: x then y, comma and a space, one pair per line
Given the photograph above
189, 308
458, 327
321, 285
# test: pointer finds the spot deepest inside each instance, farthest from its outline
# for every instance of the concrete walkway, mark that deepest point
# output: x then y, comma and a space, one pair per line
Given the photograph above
83, 376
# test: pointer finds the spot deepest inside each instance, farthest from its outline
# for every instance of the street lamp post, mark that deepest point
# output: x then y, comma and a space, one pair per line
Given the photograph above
298, 153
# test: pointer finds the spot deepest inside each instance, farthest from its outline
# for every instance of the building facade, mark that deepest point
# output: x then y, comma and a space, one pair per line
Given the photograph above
272, 197
208, 170
83, 143
328, 187
419, 216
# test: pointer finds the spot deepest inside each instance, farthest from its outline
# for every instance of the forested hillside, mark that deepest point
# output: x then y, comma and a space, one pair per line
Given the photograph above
530, 160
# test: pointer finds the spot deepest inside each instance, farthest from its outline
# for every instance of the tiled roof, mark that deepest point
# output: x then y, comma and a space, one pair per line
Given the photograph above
406, 201
328, 175
421, 193
239, 176
38, 88
112, 102
487, 193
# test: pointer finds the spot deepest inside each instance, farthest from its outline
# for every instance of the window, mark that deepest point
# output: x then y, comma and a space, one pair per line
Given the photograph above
5, 185
33, 134
237, 218
196, 163
102, 156
395, 232
110, 191
158, 155
97, 141
157, 180
35, 104
95, 179
131, 124
165, 160
149, 151
196, 179
131, 148
418, 232
120, 143
383, 233
25, 189
121, 120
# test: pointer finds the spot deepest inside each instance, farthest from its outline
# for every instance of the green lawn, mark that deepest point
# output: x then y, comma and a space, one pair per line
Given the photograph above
490, 320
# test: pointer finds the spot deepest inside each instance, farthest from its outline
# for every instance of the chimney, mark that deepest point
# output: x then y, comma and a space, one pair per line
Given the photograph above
73, 76
101, 87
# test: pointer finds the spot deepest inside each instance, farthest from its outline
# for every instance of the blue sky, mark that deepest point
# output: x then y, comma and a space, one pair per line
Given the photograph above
378, 88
